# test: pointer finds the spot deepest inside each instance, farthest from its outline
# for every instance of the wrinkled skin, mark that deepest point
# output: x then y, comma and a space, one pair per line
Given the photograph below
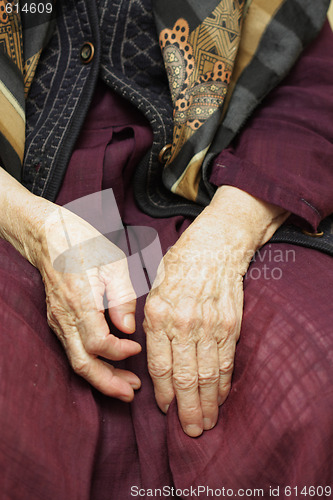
192, 318
75, 307
192, 322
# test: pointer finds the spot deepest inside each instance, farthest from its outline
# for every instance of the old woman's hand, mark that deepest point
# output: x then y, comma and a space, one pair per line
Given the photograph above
76, 279
76, 282
193, 318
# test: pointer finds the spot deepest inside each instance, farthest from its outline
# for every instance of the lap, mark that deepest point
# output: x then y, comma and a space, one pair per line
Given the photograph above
47, 418
276, 425
66, 441
61, 439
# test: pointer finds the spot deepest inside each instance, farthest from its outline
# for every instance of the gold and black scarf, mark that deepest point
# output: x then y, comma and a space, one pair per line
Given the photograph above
221, 58
21, 42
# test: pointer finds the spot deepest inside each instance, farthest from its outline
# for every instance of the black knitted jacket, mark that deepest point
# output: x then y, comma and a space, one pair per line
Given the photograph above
129, 60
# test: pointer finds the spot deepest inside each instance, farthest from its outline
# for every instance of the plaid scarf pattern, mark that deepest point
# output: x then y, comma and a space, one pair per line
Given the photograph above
221, 58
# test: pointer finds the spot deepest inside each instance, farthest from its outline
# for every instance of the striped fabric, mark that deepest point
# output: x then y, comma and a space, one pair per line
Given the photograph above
199, 52
19, 56
273, 35
218, 89
12, 118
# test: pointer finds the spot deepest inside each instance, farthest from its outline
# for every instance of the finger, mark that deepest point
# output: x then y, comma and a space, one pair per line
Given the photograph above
103, 377
123, 316
120, 295
159, 358
226, 353
100, 374
128, 376
185, 382
98, 341
208, 373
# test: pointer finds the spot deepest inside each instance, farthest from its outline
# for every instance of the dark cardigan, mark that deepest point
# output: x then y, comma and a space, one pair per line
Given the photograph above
128, 58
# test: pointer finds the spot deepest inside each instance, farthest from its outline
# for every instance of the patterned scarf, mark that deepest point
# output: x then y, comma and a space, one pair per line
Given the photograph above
21, 42
221, 57
199, 53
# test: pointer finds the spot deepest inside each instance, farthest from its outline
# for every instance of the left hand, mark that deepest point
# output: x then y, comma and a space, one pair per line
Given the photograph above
193, 318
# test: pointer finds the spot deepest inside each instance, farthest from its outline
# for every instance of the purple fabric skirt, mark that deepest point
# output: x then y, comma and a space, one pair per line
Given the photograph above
62, 440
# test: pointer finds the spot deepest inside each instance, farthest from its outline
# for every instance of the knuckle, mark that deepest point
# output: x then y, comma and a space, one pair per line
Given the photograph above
227, 367
226, 331
208, 377
155, 307
184, 380
92, 345
126, 291
81, 367
184, 320
159, 370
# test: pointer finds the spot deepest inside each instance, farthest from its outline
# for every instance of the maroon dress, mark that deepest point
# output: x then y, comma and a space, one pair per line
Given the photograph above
62, 440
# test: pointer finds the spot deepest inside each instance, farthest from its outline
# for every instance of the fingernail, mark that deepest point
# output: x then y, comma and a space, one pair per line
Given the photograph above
136, 385
193, 430
165, 408
208, 424
129, 321
127, 398
219, 400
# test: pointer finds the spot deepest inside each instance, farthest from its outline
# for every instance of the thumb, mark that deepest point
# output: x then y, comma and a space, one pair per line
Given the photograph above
121, 296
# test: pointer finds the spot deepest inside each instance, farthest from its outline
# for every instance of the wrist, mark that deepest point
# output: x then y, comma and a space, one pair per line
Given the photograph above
22, 217
255, 220
241, 223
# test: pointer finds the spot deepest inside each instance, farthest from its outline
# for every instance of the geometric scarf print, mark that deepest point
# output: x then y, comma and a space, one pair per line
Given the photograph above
11, 42
12, 118
18, 61
212, 103
199, 65
11, 33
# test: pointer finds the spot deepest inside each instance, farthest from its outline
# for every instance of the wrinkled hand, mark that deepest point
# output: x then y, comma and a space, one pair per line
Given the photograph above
193, 318
192, 322
75, 288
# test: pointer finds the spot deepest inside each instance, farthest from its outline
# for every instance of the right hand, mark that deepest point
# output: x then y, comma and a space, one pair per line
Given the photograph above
74, 297
75, 311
